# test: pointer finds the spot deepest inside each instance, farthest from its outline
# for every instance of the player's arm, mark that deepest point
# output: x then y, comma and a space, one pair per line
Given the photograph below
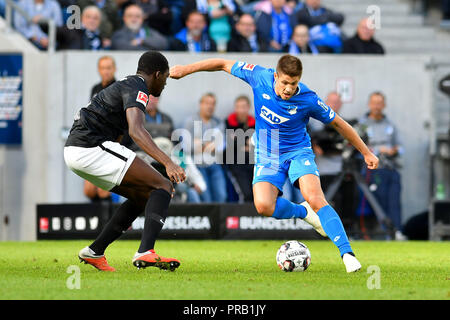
143, 139
180, 71
353, 137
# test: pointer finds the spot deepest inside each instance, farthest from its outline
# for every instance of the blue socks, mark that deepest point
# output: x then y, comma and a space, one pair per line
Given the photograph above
332, 225
285, 209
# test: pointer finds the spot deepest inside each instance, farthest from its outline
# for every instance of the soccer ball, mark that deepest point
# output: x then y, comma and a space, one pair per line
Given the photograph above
293, 256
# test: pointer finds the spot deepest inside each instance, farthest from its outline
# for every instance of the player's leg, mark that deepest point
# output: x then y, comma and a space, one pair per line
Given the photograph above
268, 182
267, 185
331, 223
116, 226
122, 219
156, 192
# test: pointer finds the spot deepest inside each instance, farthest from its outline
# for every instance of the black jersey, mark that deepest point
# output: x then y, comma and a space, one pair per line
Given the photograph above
104, 118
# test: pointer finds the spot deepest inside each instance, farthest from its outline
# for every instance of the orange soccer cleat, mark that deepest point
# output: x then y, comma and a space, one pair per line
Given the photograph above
98, 261
151, 259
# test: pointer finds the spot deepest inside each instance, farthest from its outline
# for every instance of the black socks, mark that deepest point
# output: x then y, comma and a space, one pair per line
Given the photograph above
155, 216
119, 223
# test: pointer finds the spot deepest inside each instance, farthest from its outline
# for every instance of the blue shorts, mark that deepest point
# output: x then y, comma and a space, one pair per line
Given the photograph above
276, 169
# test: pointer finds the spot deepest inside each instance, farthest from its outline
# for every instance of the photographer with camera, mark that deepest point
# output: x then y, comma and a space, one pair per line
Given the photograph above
332, 158
384, 182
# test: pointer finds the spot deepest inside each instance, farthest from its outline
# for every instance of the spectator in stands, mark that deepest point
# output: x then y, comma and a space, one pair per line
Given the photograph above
2, 8
238, 149
85, 38
202, 6
96, 194
244, 37
106, 68
194, 184
134, 36
110, 17
300, 42
219, 25
38, 10
195, 38
324, 25
207, 154
176, 7
157, 14
446, 12
384, 142
154, 115
275, 27
363, 41
313, 14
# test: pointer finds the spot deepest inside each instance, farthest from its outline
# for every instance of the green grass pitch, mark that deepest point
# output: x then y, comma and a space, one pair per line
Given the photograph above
227, 270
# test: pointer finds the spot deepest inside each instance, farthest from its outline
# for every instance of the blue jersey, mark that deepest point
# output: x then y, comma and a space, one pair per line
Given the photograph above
281, 124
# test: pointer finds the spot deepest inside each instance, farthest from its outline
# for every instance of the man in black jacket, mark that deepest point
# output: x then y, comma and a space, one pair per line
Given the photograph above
244, 37
135, 36
85, 38
313, 14
363, 41
106, 68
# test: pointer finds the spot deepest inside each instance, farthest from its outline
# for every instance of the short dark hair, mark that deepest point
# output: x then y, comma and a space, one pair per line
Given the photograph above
378, 93
208, 94
195, 12
151, 62
290, 65
242, 97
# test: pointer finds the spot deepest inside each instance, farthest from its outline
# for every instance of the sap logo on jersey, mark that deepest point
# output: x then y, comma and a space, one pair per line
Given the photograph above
271, 116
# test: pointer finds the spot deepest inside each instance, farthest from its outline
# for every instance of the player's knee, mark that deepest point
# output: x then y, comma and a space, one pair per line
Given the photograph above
165, 184
264, 207
316, 201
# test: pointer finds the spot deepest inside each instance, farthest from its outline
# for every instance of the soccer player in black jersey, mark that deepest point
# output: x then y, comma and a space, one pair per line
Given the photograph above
92, 151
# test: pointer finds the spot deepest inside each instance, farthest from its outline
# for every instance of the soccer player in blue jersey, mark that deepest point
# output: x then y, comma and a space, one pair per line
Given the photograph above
283, 106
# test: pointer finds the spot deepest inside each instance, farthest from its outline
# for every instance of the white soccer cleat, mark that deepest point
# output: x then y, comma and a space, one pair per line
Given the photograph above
351, 263
313, 219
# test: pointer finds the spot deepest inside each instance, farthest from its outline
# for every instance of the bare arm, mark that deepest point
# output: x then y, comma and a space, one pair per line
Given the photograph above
143, 139
352, 136
180, 71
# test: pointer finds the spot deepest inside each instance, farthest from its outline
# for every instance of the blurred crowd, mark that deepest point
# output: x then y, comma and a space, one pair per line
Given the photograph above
294, 26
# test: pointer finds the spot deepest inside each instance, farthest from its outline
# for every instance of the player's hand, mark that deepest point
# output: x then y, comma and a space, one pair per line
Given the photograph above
371, 161
177, 72
175, 173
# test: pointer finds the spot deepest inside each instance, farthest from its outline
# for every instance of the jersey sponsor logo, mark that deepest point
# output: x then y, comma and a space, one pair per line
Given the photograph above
323, 105
249, 66
271, 116
142, 98
266, 96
